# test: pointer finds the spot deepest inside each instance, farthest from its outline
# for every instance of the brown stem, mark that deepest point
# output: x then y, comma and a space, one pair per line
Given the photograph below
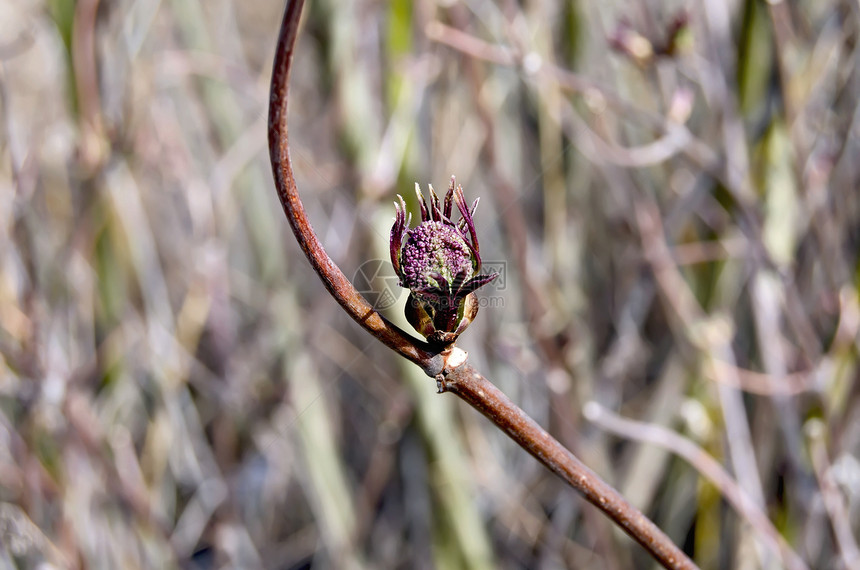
708, 467
462, 380
333, 278
481, 394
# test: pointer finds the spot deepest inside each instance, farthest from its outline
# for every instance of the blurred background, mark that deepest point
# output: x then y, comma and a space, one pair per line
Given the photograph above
669, 189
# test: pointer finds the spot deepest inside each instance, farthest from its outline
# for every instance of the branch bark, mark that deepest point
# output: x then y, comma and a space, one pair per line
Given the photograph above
456, 377
333, 278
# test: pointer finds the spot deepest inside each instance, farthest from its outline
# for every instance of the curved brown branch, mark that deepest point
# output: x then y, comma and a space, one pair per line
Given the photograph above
460, 379
708, 467
481, 394
355, 305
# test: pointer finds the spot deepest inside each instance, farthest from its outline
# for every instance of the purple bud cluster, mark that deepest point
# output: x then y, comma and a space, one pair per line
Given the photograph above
439, 262
434, 249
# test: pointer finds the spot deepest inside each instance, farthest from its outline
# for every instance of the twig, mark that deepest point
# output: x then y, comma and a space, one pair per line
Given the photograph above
333, 278
481, 394
759, 383
707, 466
456, 377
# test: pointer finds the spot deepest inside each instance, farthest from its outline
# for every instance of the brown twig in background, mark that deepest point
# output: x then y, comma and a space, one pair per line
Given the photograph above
456, 377
674, 135
86, 82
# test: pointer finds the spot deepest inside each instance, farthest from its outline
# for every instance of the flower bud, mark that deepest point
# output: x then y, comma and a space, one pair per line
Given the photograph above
439, 263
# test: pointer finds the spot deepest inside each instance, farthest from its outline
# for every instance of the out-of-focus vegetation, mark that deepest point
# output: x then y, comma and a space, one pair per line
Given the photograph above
672, 192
